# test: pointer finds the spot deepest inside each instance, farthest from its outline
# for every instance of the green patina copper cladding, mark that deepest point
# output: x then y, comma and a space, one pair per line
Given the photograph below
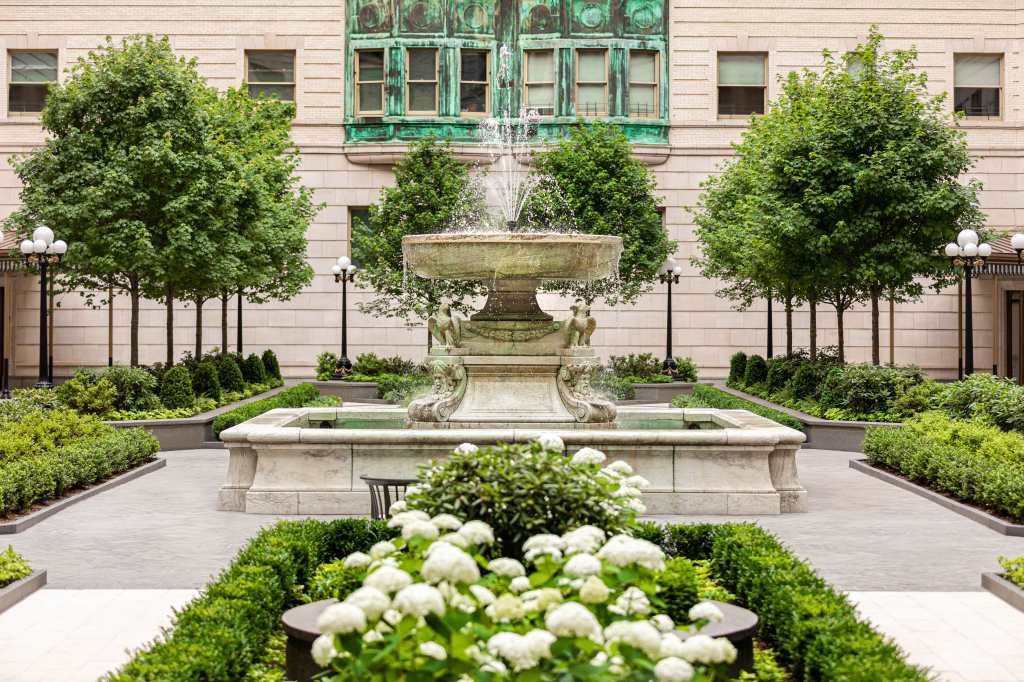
449, 26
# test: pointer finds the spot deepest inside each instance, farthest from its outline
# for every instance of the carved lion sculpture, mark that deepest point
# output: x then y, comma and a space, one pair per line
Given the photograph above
581, 326
445, 327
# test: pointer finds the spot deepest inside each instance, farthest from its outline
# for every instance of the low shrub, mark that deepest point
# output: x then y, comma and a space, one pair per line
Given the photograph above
253, 371
709, 396
50, 474
176, 388
990, 399
949, 463
1013, 569
612, 386
230, 374
756, 372
686, 370
401, 388
270, 364
737, 367
326, 363
780, 373
522, 489
136, 388
865, 389
333, 580
648, 379
806, 381
679, 588
814, 629
635, 365
44, 431
88, 392
206, 381
296, 396
25, 401
199, 406
220, 634
13, 567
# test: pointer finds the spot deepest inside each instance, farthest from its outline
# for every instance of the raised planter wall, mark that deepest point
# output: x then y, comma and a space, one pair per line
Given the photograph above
20, 589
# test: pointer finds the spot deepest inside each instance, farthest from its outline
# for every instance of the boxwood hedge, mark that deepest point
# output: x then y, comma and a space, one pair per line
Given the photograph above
709, 396
296, 396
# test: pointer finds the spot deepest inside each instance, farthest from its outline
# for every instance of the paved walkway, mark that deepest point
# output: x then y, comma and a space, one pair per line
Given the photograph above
119, 562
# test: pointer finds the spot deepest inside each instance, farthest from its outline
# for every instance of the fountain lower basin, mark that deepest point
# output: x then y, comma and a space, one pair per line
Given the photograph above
699, 461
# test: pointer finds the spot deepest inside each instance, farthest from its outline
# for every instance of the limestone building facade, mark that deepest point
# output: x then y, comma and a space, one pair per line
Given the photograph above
681, 76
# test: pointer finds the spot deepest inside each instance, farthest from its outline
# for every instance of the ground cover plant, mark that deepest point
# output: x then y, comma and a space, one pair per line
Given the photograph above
709, 396
972, 462
302, 395
1013, 570
398, 380
13, 567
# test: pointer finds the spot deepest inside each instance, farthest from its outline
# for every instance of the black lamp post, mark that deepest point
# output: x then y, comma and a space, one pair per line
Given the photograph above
344, 272
42, 251
968, 254
669, 275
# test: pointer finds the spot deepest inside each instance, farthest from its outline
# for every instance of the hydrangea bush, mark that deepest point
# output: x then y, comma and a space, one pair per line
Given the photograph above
529, 488
579, 606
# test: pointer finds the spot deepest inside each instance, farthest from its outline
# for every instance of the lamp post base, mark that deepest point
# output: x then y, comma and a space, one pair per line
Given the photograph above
42, 384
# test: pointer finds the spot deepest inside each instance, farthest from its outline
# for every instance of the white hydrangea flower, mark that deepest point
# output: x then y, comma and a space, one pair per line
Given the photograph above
587, 539
638, 482
466, 449
402, 518
550, 441
671, 645
446, 522
341, 619
356, 560
543, 540
663, 623
508, 568
494, 667
600, 658
482, 594
588, 456
540, 600
706, 611
382, 549
505, 609
520, 584
582, 565
420, 529
420, 599
673, 669
704, 649
448, 562
433, 650
454, 539
636, 505
373, 636
538, 552
323, 650
636, 633
514, 648
388, 579
372, 601
626, 491
594, 591
571, 619
477, 533
620, 468
391, 617
625, 550
398, 507
540, 642
632, 602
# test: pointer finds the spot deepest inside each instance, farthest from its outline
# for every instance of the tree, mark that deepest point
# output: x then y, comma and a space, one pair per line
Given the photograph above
432, 189
594, 176
116, 177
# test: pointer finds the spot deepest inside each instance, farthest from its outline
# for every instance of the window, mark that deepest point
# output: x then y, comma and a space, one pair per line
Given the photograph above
31, 76
741, 90
643, 84
591, 82
271, 74
370, 82
358, 223
474, 83
421, 84
977, 81
540, 81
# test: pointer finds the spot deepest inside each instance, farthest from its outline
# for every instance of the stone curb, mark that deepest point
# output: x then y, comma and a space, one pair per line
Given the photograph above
29, 520
19, 589
966, 510
997, 585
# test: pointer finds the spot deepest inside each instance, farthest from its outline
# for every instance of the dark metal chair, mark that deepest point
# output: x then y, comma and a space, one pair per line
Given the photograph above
384, 492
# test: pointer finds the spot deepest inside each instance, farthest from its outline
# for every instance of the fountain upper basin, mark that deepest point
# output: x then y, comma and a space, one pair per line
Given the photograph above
488, 256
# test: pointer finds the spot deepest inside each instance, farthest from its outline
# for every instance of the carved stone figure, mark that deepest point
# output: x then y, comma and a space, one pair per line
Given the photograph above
445, 327
578, 395
449, 386
581, 325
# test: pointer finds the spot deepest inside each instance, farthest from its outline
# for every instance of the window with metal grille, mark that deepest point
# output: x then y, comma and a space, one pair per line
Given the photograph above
643, 84
369, 82
591, 82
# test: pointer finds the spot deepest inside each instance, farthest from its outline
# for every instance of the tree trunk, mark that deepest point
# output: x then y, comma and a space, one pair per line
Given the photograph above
133, 291
876, 356
839, 330
789, 326
813, 330
224, 322
169, 302
199, 327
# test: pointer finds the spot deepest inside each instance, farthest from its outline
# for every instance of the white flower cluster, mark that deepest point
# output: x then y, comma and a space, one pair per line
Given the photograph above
625, 550
522, 652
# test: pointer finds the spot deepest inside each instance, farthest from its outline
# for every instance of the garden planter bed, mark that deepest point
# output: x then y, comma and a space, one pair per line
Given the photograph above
661, 393
20, 589
969, 511
46, 510
998, 585
350, 391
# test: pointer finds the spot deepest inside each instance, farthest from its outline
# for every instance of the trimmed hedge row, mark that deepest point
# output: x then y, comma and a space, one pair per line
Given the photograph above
951, 465
221, 634
814, 629
296, 396
38, 478
709, 396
